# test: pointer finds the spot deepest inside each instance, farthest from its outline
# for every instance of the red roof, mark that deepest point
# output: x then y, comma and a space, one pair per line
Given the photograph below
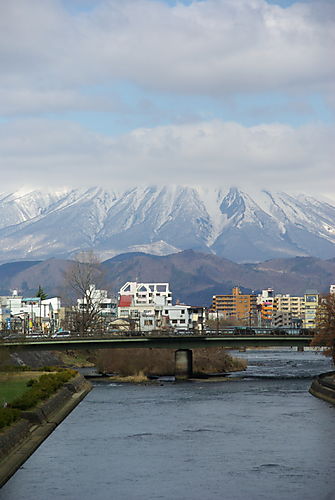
125, 300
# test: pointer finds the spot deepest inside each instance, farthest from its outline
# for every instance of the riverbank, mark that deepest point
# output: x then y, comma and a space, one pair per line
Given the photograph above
323, 387
262, 436
21, 439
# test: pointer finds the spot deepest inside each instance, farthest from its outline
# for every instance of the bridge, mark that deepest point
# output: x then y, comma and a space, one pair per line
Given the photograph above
182, 343
185, 341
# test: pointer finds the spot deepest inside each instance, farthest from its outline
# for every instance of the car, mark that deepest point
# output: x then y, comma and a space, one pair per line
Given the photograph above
36, 335
61, 334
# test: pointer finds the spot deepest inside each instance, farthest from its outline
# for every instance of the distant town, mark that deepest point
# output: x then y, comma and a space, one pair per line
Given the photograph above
147, 307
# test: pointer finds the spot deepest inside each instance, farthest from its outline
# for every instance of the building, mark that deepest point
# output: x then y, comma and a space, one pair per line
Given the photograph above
235, 306
143, 303
28, 314
290, 310
282, 319
177, 317
265, 302
149, 307
198, 316
147, 293
99, 300
312, 300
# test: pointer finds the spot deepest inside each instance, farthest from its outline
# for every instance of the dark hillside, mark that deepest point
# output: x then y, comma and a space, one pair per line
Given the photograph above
194, 277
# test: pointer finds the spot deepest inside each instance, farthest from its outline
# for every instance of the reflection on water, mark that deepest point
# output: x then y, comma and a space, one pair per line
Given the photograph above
258, 437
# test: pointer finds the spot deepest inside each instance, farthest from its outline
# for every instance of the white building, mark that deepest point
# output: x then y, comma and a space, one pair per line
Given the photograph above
178, 317
147, 293
149, 306
99, 300
34, 313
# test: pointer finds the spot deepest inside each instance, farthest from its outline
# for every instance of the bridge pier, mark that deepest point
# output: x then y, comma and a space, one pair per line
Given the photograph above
183, 364
300, 348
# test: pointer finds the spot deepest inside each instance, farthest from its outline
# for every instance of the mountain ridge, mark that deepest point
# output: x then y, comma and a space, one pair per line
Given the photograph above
164, 220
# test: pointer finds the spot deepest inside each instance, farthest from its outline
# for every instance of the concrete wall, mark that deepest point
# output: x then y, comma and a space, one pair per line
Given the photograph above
323, 387
20, 440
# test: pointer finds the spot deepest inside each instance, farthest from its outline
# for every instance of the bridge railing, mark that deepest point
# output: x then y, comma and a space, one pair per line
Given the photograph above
235, 331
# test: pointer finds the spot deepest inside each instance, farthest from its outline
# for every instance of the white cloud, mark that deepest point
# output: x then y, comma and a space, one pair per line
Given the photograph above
272, 156
214, 47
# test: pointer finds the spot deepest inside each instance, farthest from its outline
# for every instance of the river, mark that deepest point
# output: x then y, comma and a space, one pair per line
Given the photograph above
260, 435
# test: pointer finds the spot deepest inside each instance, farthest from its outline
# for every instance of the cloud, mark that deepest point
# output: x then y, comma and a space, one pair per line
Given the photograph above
213, 47
272, 156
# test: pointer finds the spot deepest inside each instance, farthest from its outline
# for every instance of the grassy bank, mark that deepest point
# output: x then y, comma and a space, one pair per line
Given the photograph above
14, 384
25, 390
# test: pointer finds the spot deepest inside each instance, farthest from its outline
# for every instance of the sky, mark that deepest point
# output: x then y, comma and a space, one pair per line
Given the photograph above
119, 93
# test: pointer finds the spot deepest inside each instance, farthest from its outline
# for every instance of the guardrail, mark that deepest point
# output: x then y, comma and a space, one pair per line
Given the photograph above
236, 332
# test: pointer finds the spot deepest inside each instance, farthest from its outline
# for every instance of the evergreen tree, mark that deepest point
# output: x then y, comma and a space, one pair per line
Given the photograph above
41, 293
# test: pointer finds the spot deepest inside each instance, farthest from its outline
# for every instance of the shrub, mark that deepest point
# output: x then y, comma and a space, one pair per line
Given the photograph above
41, 389
31, 382
8, 416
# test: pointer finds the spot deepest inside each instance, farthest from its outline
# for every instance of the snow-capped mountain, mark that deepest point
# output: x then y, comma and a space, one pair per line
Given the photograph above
162, 220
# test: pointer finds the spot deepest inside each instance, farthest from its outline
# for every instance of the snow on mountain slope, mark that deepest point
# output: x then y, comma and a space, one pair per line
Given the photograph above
230, 223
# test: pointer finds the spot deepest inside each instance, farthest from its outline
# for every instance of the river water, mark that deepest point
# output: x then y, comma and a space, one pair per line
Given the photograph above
260, 435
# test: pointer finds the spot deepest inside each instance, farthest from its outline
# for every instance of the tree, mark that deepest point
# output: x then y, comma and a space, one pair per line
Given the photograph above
84, 277
41, 293
325, 325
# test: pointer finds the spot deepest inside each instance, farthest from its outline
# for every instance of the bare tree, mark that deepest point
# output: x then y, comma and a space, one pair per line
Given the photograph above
83, 278
325, 325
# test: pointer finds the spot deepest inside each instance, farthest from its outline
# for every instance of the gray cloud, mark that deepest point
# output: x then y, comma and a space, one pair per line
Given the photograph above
56, 154
217, 47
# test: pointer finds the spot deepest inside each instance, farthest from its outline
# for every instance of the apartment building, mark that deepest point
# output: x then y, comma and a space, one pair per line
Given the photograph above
290, 309
295, 310
235, 306
265, 302
312, 300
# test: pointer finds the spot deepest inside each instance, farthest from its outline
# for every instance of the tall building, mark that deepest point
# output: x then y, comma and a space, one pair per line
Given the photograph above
265, 301
288, 310
312, 300
235, 306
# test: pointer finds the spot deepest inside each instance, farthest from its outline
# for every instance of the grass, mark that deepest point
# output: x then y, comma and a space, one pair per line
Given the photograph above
139, 378
76, 359
13, 385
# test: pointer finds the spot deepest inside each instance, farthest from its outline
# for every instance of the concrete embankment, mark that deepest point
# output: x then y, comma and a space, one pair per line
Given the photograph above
323, 387
21, 439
